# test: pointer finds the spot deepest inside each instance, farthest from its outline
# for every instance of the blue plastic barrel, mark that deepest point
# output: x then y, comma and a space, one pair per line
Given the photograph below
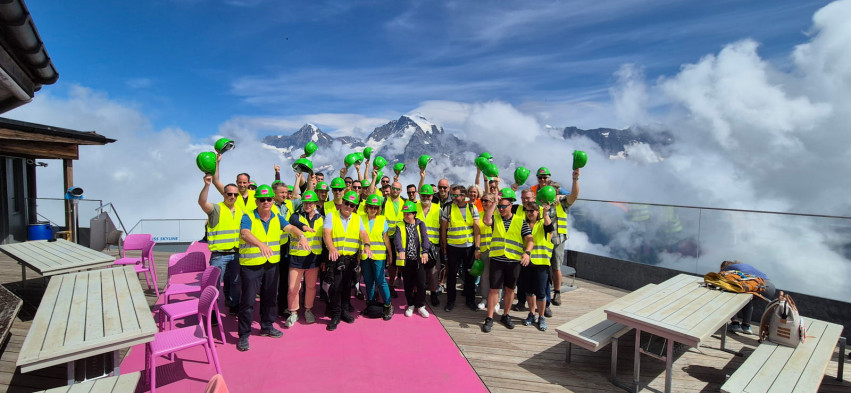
40, 231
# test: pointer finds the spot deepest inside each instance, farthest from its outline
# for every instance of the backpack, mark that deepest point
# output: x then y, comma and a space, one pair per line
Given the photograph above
735, 281
373, 310
781, 323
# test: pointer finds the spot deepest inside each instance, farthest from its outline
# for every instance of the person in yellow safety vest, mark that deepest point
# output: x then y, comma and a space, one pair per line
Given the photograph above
526, 196
485, 232
430, 214
393, 214
535, 275
304, 264
322, 190
284, 208
223, 221
510, 248
373, 268
343, 233
245, 200
338, 188
259, 257
559, 216
362, 188
459, 237
412, 247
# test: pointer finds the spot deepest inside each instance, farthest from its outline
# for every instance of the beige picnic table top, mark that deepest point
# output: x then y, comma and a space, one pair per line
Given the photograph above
681, 310
51, 258
777, 368
121, 383
87, 313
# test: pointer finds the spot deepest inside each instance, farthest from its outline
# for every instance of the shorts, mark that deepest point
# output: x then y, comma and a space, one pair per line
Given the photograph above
534, 280
308, 261
557, 260
504, 274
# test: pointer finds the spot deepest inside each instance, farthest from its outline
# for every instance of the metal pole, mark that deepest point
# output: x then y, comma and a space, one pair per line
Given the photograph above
636, 370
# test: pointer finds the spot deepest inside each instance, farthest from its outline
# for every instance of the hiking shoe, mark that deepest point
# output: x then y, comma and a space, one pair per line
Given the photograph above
471, 304
449, 306
482, 304
506, 320
333, 324
735, 328
293, 318
388, 312
271, 332
434, 300
548, 313
359, 295
746, 329
423, 312
556, 300
488, 325
242, 345
542, 324
530, 319
346, 317
309, 317
441, 289
409, 311
518, 307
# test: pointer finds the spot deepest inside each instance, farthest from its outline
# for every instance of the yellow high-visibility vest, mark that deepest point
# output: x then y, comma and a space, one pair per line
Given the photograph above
285, 238
508, 244
431, 220
561, 219
376, 239
250, 255
225, 235
313, 238
246, 207
542, 250
393, 215
485, 233
346, 240
460, 230
404, 233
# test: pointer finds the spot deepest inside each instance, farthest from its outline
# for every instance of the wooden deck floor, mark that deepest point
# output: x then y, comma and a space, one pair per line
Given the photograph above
522, 359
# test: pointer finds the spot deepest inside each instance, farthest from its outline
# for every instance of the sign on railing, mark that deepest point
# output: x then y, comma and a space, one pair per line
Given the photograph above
183, 230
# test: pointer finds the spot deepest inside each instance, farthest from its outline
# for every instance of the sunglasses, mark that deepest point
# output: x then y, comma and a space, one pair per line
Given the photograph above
233, 194
543, 177
357, 187
385, 182
348, 182
337, 189
484, 200
396, 188
458, 195
349, 204
442, 187
264, 200
503, 206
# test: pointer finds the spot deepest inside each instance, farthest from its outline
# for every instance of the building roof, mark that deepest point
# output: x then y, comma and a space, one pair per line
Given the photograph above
31, 140
24, 63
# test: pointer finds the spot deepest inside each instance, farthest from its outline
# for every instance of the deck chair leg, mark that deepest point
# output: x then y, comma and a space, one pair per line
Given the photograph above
841, 359
569, 349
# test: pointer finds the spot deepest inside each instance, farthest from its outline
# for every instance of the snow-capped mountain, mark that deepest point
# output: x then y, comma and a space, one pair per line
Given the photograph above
615, 141
287, 144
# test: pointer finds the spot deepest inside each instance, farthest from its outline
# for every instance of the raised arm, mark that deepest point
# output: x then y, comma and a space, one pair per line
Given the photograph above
216, 182
422, 179
206, 206
479, 178
574, 189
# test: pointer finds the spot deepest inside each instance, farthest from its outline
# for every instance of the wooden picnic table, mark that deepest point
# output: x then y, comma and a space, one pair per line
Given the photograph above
51, 258
680, 311
86, 314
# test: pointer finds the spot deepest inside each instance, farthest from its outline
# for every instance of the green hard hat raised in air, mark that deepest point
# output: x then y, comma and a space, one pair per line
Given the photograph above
303, 165
481, 163
309, 196
580, 158
373, 200
350, 160
507, 193
367, 152
351, 197
491, 170
358, 157
338, 182
379, 162
310, 148
546, 194
426, 189
486, 156
543, 171
520, 175
409, 207
224, 144
206, 162
264, 191
399, 167
321, 186
423, 161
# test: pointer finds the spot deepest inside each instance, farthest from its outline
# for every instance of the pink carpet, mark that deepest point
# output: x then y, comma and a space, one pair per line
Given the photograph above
413, 354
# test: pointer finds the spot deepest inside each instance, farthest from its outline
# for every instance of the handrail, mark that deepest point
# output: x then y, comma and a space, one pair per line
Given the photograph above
162, 219
718, 208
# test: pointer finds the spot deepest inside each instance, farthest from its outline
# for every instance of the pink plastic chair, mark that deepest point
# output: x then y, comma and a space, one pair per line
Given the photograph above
173, 311
137, 242
171, 341
149, 266
200, 247
187, 288
185, 267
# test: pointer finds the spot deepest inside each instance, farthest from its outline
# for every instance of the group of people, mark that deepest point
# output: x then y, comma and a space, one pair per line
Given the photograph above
280, 241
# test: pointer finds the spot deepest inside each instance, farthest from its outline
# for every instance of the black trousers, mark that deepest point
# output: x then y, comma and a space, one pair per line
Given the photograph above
340, 274
460, 258
284, 278
413, 277
253, 278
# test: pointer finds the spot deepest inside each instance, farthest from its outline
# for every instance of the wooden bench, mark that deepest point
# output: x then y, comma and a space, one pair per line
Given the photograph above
122, 383
774, 368
10, 306
592, 331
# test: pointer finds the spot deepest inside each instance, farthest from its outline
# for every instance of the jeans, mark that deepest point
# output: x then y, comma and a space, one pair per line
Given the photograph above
373, 277
746, 314
229, 279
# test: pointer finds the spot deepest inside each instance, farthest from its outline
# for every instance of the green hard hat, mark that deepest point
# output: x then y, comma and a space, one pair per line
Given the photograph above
546, 194
264, 191
365, 183
303, 165
322, 186
481, 162
358, 157
290, 188
409, 207
274, 182
520, 175
543, 171
352, 197
424, 160
379, 162
373, 200
223, 145
477, 268
507, 193
399, 168
310, 148
580, 158
309, 196
486, 156
491, 170
426, 189
206, 162
338, 182
367, 152
349, 160
380, 175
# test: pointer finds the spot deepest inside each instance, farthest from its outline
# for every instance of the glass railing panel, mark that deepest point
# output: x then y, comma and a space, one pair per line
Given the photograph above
171, 230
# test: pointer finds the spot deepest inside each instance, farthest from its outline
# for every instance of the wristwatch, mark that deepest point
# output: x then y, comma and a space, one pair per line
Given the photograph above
529, 253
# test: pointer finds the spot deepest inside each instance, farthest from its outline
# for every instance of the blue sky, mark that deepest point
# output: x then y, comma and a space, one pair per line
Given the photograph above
195, 64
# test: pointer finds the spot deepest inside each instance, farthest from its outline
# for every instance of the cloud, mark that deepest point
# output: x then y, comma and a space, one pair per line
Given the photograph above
139, 83
335, 124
